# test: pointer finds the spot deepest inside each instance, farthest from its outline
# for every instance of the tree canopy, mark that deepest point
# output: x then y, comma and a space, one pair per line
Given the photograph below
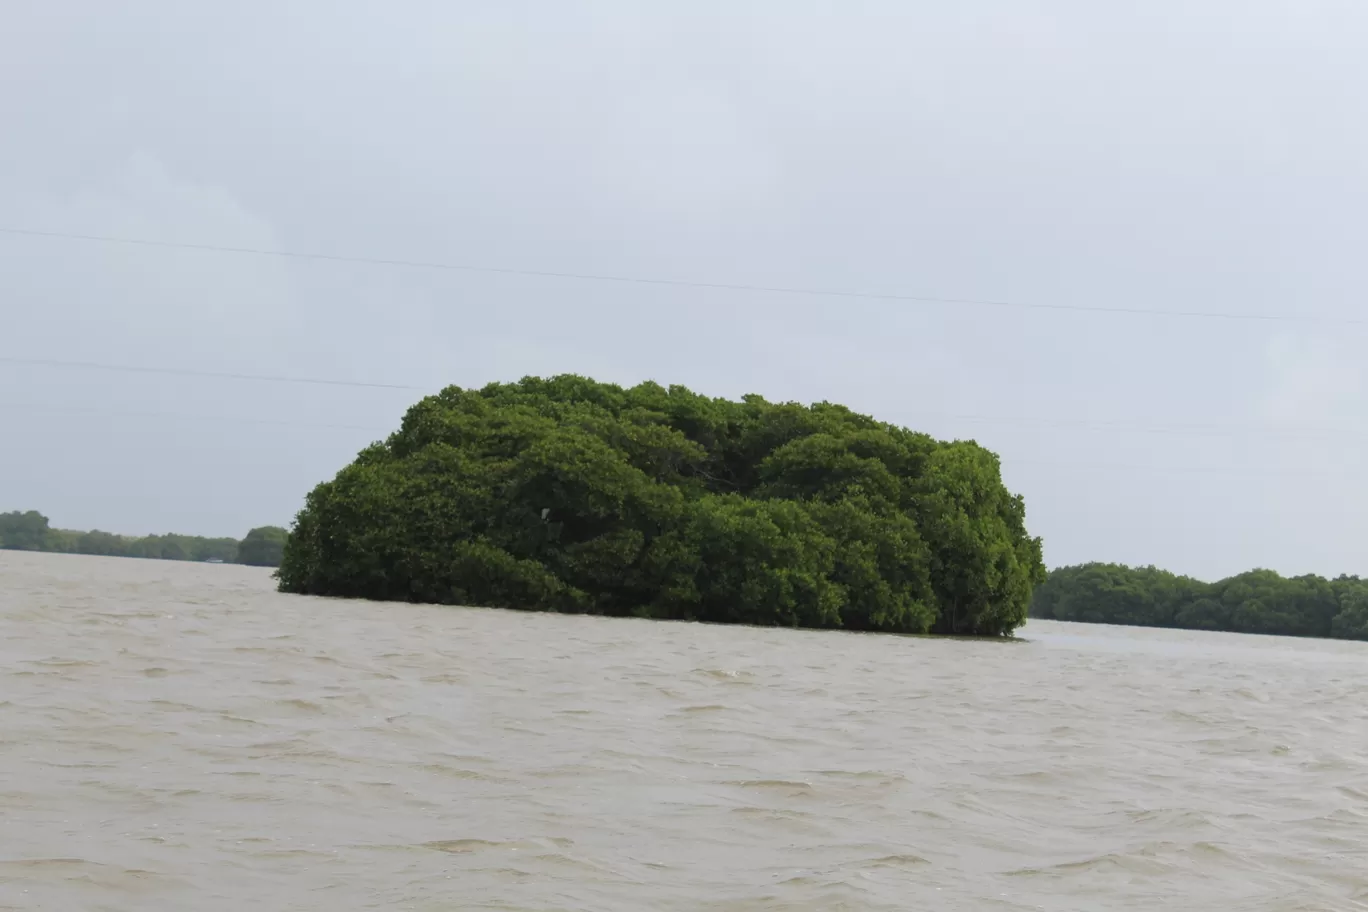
23, 531
565, 494
1259, 601
262, 547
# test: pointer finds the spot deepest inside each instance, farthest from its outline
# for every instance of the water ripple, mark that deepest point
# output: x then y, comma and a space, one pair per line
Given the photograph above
179, 736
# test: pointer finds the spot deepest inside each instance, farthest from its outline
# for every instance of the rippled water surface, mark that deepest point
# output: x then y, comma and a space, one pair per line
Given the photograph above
178, 736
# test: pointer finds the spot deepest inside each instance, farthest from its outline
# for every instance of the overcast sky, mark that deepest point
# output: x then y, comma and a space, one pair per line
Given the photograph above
1208, 156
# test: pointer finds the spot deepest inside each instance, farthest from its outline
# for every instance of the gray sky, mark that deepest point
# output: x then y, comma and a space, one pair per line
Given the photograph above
1206, 156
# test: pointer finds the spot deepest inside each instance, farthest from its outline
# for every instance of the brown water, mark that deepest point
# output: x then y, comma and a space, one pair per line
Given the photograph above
178, 736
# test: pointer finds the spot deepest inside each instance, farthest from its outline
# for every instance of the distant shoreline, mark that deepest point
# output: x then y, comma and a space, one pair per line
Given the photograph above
32, 531
1258, 601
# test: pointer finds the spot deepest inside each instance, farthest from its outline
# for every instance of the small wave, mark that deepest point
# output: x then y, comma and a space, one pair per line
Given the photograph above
723, 674
780, 785
1037, 776
455, 772
1110, 861
1330, 764
56, 662
571, 864
1171, 818
470, 846
1247, 694
46, 862
895, 861
863, 775
284, 744
229, 717
290, 853
772, 813
1201, 850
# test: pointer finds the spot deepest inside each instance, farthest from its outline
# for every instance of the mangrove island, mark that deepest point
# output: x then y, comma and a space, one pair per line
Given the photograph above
569, 495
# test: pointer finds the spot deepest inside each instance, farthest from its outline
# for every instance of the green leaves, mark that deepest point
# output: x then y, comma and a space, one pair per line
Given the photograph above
1351, 622
566, 494
752, 562
1259, 601
263, 547
23, 531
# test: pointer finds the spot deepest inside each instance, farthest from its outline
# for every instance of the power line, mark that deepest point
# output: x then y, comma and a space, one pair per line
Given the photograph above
1353, 472
191, 372
1004, 420
1086, 424
186, 416
1007, 464
1215, 430
684, 283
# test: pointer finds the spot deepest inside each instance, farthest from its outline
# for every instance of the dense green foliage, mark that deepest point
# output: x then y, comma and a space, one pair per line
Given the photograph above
263, 547
32, 531
1259, 601
23, 531
570, 495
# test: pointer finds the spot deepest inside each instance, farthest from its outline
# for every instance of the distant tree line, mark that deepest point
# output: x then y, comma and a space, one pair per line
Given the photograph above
1260, 601
31, 531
